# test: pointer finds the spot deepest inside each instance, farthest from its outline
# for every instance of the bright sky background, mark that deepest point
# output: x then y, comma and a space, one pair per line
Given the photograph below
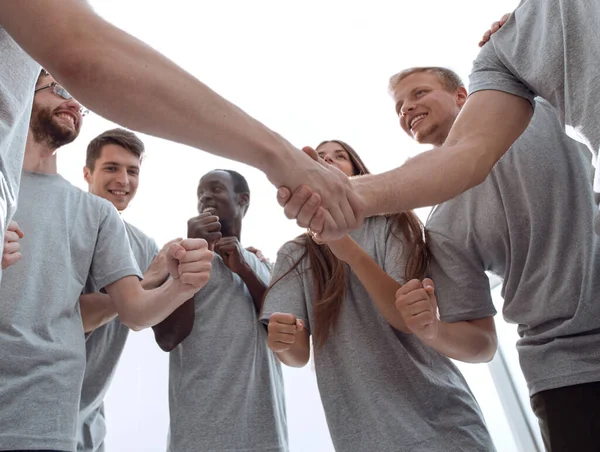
310, 70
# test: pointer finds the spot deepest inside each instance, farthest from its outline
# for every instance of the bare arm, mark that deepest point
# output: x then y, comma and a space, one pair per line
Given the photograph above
380, 286
189, 265
487, 126
123, 79
96, 310
176, 327
255, 285
472, 341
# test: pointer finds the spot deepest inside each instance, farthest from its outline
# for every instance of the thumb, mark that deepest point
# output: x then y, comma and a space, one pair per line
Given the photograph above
299, 325
428, 286
283, 195
176, 251
311, 153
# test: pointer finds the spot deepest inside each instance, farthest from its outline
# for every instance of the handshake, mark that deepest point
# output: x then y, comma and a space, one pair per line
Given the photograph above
320, 196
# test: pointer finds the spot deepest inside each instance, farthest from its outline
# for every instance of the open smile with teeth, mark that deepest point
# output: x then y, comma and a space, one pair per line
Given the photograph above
210, 209
67, 117
416, 120
118, 192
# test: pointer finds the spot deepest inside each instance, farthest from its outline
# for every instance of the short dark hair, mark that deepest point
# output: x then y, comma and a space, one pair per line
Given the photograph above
449, 78
240, 184
120, 137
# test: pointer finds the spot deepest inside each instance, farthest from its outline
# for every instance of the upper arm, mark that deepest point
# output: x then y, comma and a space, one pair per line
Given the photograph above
487, 126
48, 29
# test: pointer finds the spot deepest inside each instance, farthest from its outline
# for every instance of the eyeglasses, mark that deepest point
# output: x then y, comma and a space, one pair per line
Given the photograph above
61, 92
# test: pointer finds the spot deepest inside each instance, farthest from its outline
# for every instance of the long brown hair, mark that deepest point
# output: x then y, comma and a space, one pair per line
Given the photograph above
329, 273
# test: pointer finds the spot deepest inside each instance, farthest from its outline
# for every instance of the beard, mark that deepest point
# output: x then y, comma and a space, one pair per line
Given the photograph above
45, 129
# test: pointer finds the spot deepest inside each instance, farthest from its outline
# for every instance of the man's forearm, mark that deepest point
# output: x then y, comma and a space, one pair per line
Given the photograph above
486, 128
96, 310
138, 308
255, 285
118, 76
465, 341
176, 327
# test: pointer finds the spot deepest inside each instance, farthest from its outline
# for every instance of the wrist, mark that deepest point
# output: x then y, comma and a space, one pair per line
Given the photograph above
363, 187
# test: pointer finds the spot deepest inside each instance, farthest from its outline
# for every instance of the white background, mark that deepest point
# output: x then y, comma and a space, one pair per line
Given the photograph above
311, 70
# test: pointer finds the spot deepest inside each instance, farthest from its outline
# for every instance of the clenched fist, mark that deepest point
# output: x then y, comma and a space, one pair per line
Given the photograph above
11, 252
189, 263
205, 226
417, 305
282, 331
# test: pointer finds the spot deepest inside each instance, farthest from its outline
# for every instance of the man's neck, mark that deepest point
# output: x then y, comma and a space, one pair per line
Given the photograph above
232, 230
39, 157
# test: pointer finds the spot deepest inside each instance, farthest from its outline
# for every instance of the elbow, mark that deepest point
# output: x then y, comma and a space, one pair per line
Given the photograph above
132, 323
485, 349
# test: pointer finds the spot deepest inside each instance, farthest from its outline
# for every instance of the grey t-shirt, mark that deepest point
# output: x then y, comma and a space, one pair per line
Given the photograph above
382, 390
562, 65
18, 74
103, 350
225, 384
531, 223
70, 235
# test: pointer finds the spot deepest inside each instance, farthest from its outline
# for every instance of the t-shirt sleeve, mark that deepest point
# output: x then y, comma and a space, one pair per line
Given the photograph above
461, 285
287, 290
113, 258
489, 73
261, 269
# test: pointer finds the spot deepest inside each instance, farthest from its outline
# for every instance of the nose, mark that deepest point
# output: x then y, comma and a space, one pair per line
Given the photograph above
407, 107
74, 106
123, 177
328, 159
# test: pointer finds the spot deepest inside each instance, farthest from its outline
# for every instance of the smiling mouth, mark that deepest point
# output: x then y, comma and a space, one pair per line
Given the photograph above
210, 209
68, 118
416, 120
119, 193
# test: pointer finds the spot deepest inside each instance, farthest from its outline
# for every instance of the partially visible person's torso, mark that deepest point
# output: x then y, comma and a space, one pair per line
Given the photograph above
225, 385
103, 351
69, 235
531, 223
381, 389
18, 75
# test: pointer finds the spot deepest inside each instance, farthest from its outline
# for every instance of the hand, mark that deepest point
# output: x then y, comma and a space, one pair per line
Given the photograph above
417, 305
493, 29
261, 257
11, 254
158, 271
343, 209
230, 250
282, 331
205, 226
189, 264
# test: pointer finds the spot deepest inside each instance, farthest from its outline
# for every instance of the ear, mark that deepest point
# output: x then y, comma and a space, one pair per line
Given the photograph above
244, 201
461, 96
87, 174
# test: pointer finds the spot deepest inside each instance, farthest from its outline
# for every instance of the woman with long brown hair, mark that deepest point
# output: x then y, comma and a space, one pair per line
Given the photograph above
382, 389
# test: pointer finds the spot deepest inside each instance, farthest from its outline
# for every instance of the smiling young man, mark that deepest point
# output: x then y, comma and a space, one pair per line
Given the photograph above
225, 384
512, 225
112, 171
72, 237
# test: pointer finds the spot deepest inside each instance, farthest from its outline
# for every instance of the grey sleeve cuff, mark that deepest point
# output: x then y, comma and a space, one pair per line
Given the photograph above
487, 311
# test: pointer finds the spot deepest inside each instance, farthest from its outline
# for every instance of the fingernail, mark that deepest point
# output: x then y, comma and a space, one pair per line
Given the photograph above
281, 193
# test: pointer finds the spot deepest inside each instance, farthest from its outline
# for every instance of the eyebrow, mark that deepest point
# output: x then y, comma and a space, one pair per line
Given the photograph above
119, 164
412, 92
